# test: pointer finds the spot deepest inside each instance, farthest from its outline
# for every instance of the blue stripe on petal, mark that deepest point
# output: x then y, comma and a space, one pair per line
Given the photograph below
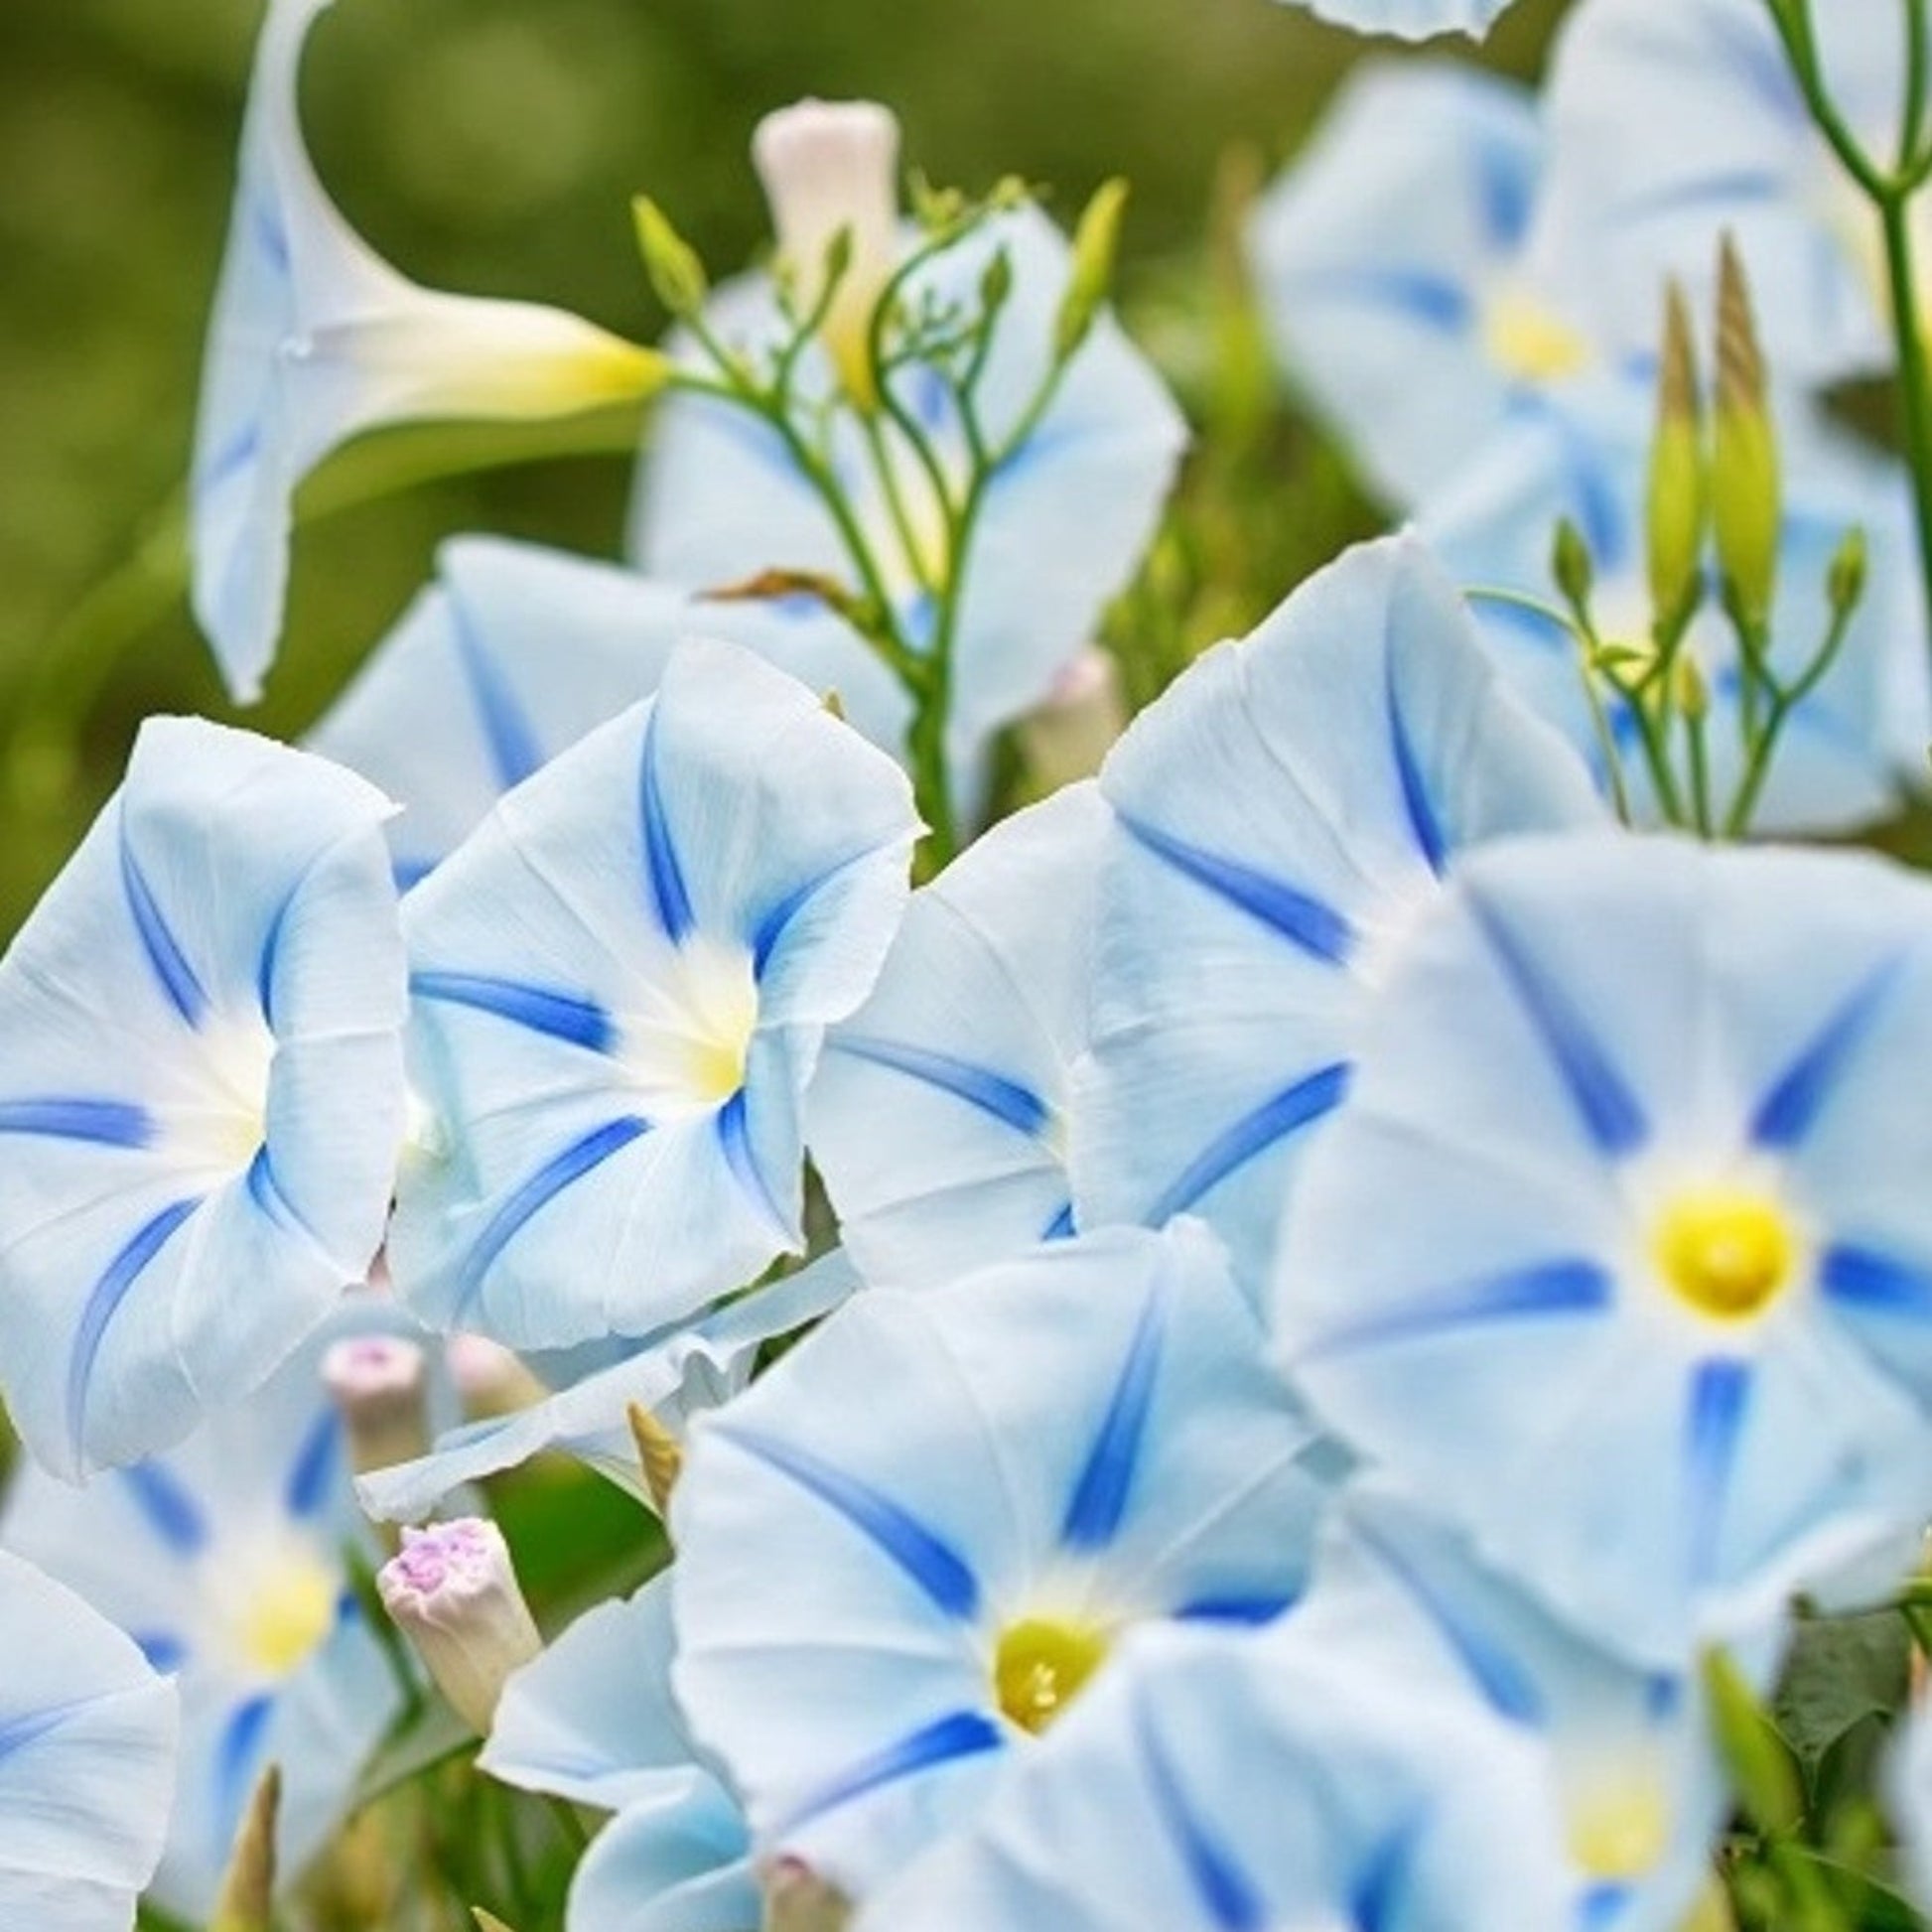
924, 1556
770, 927
1610, 1113
963, 1733
237, 1758
513, 749
1017, 1106
1868, 1281
1224, 1888
1278, 1117
1602, 1906
557, 1016
1790, 1109
1061, 1227
735, 1137
1548, 1288
1421, 809
1299, 918
164, 1652
185, 992
312, 1476
30, 1727
1100, 1496
669, 895
171, 1512
1719, 1401
1381, 1882
102, 1304
107, 1123
1250, 1612
561, 1170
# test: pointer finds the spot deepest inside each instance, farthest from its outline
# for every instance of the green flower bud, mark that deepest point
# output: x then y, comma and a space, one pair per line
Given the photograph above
672, 263
1692, 691
1571, 565
1680, 496
1748, 490
247, 1900
1096, 247
1845, 581
1760, 1763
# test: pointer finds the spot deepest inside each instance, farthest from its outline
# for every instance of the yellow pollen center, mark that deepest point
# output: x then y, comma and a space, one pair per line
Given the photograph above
288, 1614
1725, 1252
1620, 1831
1041, 1665
1529, 340
716, 1058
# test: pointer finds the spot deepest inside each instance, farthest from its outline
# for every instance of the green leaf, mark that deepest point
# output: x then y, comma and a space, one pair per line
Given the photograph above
436, 1736
1842, 1670
1866, 1904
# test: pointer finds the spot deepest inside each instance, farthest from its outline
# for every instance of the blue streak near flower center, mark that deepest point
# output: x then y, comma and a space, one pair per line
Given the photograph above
557, 1016
172, 1513
1421, 809
1720, 1402
1868, 1282
1288, 1112
1007, 1101
1790, 1109
1550, 1288
670, 896
1228, 1893
1106, 1484
106, 1123
962, 1733
185, 991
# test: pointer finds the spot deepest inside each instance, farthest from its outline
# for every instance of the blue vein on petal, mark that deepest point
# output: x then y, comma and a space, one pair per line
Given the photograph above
1306, 921
1280, 1115
1007, 1101
1719, 1400
235, 1758
312, 1475
18, 1734
1106, 1483
962, 1733
1610, 1111
165, 1653
104, 1302
513, 749
771, 926
1548, 1288
106, 1123
561, 1170
170, 1511
734, 1138
924, 1556
1226, 1890
1870, 1282
1421, 809
558, 1016
669, 895
1061, 1227
1790, 1109
185, 992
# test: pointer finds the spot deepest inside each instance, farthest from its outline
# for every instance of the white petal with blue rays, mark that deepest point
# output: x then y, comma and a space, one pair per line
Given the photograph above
967, 1046
1621, 1246
314, 339
201, 1092
87, 1736
620, 984
1234, 1783
1284, 815
517, 651
876, 1540
1390, 261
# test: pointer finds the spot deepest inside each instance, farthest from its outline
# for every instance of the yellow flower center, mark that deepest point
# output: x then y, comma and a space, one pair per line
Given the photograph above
1528, 340
1725, 1251
288, 1614
1620, 1830
1041, 1665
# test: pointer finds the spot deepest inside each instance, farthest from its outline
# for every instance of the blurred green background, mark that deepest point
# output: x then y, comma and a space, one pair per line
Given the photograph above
493, 146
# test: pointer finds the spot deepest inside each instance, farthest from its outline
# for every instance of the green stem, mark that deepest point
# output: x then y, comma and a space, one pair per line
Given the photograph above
1784, 699
1918, 82
1696, 731
570, 1825
1914, 369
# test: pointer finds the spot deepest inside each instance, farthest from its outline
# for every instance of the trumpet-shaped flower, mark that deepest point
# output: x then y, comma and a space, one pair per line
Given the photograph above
592, 1721
1621, 1246
1847, 744
201, 1090
967, 1047
1673, 121
1284, 815
314, 340
516, 651
1237, 1783
1391, 262
910, 1545
1061, 525
620, 984
87, 1735
226, 1560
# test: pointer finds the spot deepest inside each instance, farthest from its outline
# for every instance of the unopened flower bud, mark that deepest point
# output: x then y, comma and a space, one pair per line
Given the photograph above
454, 1594
490, 1381
1693, 690
797, 1899
676, 273
378, 1384
1068, 736
1572, 566
247, 1898
1096, 249
1680, 496
659, 1455
1746, 483
830, 169
1846, 581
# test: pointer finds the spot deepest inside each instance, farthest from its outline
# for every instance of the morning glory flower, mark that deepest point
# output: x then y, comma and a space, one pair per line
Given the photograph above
1848, 747
621, 983
1284, 815
592, 1721
966, 1047
225, 1560
1621, 1251
1673, 121
913, 1542
1909, 1779
201, 1090
87, 1735
1390, 258
1238, 1784
517, 650
314, 340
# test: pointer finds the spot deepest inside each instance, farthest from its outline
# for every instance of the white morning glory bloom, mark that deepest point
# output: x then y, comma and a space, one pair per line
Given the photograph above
621, 983
1409, 20
1244, 1783
517, 650
1621, 1250
1284, 815
87, 1736
201, 1090
314, 340
1673, 121
911, 1544
1389, 262
226, 1560
592, 1721
1848, 747
1909, 1782
966, 1047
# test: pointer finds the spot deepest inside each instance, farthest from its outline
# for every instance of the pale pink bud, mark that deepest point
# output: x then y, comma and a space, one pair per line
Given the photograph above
489, 1379
797, 1899
379, 1386
1068, 736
